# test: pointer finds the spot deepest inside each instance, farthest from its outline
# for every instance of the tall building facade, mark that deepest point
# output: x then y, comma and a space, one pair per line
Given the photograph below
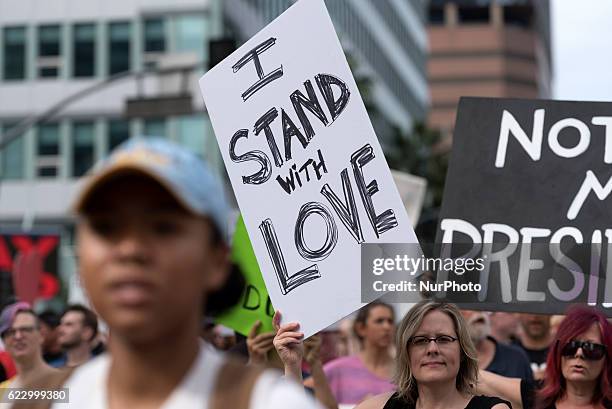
386, 40
496, 48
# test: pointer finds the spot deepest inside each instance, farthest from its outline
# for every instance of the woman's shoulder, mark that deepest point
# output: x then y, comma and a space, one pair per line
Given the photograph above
488, 402
376, 402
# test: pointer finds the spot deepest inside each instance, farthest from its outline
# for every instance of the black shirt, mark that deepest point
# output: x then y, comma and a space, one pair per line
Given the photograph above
509, 361
477, 402
537, 357
2, 374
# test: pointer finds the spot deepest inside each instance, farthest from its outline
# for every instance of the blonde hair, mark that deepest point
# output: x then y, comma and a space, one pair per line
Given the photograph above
468, 367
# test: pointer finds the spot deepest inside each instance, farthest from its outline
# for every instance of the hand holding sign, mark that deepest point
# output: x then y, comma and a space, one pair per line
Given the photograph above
289, 345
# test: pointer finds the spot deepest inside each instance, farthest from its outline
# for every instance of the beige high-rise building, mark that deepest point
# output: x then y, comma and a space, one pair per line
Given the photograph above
486, 48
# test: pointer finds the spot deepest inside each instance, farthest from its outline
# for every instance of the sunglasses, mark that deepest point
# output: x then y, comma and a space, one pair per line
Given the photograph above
590, 350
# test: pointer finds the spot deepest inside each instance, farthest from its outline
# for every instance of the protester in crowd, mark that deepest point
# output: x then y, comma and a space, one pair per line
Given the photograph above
52, 350
77, 331
20, 333
504, 326
578, 372
291, 349
356, 377
506, 360
224, 338
436, 363
534, 338
262, 351
152, 253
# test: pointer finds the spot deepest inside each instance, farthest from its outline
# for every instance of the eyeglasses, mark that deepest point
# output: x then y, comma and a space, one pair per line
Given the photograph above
440, 340
10, 333
590, 350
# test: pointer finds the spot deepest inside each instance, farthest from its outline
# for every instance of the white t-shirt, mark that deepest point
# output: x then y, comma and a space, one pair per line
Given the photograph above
87, 387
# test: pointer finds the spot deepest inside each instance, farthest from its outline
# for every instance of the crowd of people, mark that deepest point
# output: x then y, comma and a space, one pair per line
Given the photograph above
154, 261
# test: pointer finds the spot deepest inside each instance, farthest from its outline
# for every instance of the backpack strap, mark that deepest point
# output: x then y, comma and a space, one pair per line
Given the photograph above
56, 380
235, 382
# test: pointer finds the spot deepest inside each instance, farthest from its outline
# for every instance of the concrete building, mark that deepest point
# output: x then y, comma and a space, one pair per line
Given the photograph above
486, 48
52, 51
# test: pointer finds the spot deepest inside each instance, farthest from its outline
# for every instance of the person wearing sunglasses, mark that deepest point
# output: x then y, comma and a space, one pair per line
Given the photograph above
578, 368
436, 365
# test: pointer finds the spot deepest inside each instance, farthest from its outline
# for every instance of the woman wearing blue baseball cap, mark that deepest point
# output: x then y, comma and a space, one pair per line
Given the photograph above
152, 253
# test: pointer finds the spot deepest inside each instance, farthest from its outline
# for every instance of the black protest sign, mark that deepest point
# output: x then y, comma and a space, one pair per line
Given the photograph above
530, 182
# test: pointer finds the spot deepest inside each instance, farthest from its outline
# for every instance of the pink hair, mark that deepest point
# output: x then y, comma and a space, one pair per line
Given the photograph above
577, 321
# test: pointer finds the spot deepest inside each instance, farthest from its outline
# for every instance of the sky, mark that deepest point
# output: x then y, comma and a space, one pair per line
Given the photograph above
582, 49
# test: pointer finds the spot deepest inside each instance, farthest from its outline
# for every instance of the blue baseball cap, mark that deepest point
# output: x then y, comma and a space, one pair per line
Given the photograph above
182, 173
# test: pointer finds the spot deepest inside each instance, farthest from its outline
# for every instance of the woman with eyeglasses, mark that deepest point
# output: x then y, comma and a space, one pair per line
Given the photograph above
578, 368
436, 364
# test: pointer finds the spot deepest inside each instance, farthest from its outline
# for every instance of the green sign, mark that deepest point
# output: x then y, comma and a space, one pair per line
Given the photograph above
255, 303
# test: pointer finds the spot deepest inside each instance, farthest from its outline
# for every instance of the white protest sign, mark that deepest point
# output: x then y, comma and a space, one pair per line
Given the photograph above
307, 170
412, 190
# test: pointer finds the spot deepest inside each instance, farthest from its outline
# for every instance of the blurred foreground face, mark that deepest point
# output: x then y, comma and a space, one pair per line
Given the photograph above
435, 361
535, 326
23, 340
145, 261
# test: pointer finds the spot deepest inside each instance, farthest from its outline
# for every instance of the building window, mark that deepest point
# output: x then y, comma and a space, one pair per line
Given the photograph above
154, 35
14, 53
521, 16
191, 133
118, 48
474, 15
48, 150
82, 147
49, 51
436, 15
189, 32
84, 62
13, 156
118, 131
154, 41
155, 127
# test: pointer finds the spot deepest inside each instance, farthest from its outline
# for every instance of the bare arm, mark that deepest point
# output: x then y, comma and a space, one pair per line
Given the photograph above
318, 380
496, 385
323, 392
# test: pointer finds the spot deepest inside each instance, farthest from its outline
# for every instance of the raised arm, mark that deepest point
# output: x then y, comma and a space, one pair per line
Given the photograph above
290, 347
322, 391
